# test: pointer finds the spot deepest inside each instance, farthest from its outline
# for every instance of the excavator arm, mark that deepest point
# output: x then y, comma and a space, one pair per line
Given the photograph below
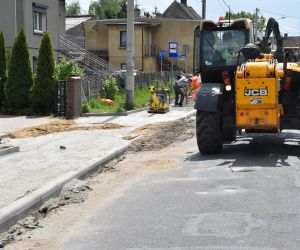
273, 26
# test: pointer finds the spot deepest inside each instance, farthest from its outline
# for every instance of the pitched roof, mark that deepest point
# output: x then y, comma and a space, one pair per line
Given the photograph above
72, 21
180, 11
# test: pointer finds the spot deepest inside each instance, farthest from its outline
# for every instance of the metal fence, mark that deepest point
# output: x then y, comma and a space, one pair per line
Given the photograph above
148, 78
59, 108
93, 86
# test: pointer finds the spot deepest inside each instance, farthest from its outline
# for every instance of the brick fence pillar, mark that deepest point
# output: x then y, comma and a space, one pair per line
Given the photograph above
73, 97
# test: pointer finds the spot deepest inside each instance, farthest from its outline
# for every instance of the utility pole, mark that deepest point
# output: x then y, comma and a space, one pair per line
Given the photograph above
130, 56
203, 9
256, 23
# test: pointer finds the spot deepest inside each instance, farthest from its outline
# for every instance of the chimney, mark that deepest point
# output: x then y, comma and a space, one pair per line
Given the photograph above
286, 35
137, 13
184, 2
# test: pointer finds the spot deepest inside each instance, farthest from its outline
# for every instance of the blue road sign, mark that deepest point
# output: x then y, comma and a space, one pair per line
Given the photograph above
161, 54
173, 49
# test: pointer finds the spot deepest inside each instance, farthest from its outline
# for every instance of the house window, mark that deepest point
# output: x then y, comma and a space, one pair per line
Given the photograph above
123, 66
39, 18
123, 39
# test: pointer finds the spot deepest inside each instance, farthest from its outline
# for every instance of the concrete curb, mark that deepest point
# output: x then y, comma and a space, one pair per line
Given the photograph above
126, 113
188, 114
18, 210
9, 150
2, 136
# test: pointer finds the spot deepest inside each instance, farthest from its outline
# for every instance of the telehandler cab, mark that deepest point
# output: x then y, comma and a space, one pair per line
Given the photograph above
242, 88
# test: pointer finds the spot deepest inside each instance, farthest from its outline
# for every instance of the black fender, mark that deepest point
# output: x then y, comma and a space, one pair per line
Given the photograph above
209, 97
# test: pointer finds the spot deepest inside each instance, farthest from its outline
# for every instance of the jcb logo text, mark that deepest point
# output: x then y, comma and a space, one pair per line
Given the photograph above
255, 92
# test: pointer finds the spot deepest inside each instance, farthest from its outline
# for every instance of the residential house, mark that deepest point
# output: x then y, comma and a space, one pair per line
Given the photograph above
75, 28
181, 11
107, 38
37, 17
74, 25
291, 41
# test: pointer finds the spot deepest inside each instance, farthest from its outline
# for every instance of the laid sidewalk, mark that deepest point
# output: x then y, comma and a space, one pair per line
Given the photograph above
42, 160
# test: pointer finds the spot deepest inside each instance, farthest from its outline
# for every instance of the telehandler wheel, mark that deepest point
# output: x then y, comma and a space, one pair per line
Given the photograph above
229, 134
209, 134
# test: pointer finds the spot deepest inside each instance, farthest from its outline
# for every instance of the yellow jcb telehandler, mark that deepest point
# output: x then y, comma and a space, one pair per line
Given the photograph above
243, 86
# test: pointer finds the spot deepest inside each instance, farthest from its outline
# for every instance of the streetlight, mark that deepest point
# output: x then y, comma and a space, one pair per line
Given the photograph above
283, 17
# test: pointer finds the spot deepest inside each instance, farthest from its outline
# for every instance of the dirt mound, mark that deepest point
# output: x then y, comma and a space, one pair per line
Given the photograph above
57, 126
159, 135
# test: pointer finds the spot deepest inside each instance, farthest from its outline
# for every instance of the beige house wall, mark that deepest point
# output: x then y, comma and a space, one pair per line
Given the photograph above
106, 37
117, 55
96, 34
150, 64
175, 30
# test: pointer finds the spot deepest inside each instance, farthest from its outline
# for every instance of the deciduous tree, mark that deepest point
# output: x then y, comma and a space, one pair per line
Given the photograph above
73, 9
261, 20
105, 9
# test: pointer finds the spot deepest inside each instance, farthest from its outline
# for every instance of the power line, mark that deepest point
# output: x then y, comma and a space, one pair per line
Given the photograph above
289, 26
226, 4
277, 14
282, 27
221, 6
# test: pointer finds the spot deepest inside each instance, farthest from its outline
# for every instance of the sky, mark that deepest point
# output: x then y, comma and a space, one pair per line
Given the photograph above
288, 14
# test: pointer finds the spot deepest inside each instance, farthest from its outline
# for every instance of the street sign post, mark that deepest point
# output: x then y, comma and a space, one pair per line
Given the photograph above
173, 49
161, 55
173, 53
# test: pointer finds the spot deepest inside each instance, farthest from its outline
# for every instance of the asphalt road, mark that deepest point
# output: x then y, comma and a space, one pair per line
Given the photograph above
248, 197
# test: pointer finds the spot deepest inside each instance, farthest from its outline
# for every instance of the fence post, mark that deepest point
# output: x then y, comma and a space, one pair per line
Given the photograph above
89, 90
55, 105
73, 97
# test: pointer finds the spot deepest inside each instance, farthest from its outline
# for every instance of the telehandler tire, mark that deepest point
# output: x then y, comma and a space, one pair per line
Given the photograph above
229, 134
208, 132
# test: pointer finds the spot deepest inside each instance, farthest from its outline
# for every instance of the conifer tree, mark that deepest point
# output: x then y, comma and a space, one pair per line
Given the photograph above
19, 80
43, 90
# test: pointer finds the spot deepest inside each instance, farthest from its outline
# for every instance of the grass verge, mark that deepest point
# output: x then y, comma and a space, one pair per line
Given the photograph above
141, 100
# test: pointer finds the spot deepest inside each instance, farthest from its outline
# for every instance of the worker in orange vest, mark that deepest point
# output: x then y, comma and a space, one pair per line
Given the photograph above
196, 84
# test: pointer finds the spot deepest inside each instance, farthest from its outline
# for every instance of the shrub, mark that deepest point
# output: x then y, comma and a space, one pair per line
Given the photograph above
3, 75
25, 112
19, 80
110, 88
66, 69
85, 108
43, 89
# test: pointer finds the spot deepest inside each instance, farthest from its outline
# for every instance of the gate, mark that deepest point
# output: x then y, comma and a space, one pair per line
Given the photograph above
60, 98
